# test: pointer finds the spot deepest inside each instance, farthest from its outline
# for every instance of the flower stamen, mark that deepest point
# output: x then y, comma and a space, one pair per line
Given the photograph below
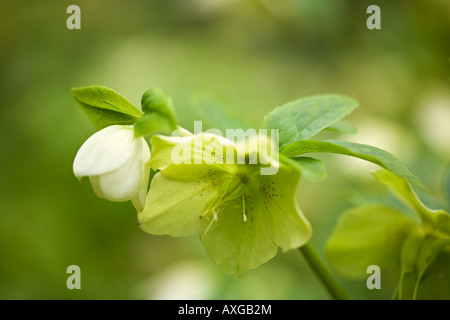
243, 209
211, 223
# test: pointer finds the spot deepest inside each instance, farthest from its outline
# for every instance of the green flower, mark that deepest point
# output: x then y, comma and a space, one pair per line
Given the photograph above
217, 188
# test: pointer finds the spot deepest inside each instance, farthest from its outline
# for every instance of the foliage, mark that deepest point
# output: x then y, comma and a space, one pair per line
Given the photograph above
242, 215
387, 237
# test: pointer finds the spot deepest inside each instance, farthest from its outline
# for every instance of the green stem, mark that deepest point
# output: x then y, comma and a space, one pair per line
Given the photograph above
320, 269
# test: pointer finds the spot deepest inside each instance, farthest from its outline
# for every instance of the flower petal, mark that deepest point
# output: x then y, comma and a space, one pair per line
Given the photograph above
237, 245
195, 149
249, 229
162, 149
123, 183
139, 200
173, 207
276, 197
245, 215
96, 186
105, 151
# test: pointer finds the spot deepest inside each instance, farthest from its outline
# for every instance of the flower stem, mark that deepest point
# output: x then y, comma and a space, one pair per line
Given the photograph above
322, 272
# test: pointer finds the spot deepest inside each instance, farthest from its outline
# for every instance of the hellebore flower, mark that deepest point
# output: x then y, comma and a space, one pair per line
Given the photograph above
115, 160
241, 215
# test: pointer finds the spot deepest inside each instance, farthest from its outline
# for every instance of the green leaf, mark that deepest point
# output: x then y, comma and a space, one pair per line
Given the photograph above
434, 221
342, 127
218, 114
105, 107
311, 168
369, 153
303, 118
368, 235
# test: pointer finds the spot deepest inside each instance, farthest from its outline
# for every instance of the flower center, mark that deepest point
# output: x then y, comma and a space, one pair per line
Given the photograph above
244, 178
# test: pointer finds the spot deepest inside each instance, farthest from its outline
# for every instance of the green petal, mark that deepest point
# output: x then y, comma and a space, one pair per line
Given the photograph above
162, 149
367, 235
173, 207
249, 229
244, 215
276, 196
237, 245
195, 149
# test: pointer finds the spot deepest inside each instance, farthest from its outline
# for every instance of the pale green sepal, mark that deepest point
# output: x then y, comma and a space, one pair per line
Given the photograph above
174, 207
244, 232
237, 245
202, 148
276, 196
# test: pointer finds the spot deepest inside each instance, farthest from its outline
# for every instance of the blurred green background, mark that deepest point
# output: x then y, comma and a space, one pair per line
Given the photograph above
257, 54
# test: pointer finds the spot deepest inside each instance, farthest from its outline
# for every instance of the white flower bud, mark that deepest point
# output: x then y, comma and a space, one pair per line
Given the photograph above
115, 162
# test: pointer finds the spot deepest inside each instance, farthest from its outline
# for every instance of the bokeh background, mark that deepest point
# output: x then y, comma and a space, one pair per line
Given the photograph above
256, 54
